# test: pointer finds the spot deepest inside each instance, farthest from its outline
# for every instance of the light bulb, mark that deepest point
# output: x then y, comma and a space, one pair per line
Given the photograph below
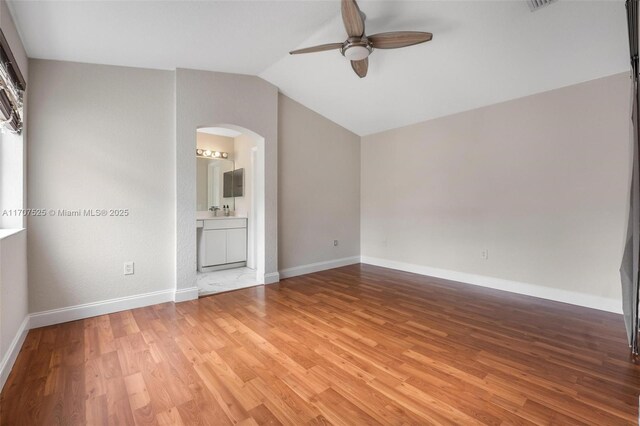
356, 53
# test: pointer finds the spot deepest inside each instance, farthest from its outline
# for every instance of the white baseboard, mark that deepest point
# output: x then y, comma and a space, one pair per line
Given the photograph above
12, 352
185, 294
318, 266
87, 310
549, 293
270, 278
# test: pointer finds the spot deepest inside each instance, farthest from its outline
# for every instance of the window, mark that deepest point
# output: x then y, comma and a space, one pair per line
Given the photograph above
12, 148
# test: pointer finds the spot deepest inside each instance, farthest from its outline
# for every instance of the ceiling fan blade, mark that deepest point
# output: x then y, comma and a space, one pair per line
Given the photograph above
352, 18
396, 39
360, 67
320, 48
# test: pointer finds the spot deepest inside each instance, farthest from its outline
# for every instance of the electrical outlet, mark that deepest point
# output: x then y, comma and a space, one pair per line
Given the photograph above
335, 243
128, 268
485, 254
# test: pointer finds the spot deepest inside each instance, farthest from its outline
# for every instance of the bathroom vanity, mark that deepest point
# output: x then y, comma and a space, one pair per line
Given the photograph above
222, 242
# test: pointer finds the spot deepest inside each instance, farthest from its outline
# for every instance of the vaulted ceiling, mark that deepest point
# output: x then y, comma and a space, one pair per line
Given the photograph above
482, 52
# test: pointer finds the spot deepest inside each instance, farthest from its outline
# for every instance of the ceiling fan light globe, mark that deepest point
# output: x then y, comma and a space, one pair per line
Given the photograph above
356, 53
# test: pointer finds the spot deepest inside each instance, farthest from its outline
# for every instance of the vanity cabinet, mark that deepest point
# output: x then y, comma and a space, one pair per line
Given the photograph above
236, 245
215, 247
222, 243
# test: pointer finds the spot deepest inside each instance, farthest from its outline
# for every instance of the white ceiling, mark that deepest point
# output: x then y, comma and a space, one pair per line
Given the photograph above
483, 52
231, 36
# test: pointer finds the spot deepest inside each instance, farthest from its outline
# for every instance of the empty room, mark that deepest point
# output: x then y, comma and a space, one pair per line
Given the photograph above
319, 212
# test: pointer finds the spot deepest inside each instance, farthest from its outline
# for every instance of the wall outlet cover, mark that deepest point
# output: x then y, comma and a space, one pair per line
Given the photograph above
128, 268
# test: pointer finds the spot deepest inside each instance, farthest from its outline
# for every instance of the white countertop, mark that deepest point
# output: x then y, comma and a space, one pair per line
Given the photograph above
210, 216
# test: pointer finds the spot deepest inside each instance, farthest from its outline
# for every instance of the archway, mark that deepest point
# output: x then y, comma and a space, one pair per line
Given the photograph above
248, 156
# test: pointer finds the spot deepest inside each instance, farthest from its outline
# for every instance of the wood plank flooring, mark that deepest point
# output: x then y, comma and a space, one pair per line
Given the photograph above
354, 345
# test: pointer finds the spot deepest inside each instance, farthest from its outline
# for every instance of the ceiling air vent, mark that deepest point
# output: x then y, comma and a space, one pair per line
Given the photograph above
537, 4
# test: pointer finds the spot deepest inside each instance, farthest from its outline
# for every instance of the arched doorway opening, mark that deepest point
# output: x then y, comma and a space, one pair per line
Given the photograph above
230, 208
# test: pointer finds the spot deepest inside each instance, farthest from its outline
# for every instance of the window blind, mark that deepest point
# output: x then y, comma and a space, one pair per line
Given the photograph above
12, 87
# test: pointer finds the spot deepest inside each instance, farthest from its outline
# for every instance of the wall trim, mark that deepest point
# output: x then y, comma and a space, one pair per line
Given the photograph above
318, 266
185, 294
271, 278
12, 352
88, 310
549, 293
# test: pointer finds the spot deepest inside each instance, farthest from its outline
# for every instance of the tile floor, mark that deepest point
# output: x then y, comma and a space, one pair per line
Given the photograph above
225, 280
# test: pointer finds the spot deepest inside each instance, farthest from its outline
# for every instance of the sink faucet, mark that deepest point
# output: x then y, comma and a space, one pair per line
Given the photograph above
214, 209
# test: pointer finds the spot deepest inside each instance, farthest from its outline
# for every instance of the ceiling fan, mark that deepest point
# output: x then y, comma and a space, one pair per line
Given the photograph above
359, 46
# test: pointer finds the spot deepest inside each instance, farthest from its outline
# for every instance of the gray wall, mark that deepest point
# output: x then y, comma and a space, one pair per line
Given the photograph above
541, 182
102, 138
319, 187
13, 299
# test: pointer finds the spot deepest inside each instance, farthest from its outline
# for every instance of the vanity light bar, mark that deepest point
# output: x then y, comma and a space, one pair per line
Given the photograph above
211, 154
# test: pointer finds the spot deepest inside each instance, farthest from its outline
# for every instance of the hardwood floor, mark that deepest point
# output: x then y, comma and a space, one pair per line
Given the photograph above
354, 345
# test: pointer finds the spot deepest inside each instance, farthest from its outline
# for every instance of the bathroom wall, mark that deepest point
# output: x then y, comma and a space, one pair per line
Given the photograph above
202, 179
539, 184
244, 146
212, 143
215, 143
319, 191
242, 158
102, 137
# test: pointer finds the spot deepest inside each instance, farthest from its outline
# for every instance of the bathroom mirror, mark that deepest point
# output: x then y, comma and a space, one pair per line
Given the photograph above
214, 177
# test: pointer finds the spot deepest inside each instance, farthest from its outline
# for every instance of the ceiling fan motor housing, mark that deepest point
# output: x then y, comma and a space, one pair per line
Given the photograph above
356, 49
